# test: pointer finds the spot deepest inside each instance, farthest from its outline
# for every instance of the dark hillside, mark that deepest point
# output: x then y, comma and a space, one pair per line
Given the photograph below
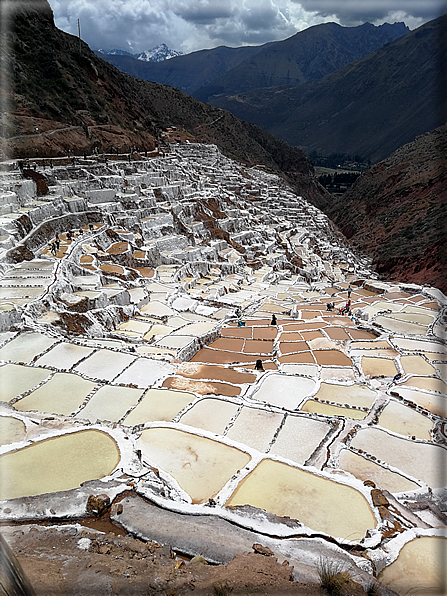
308, 55
396, 212
63, 97
368, 108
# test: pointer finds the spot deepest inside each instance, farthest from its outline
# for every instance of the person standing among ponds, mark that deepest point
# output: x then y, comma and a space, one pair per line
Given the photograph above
258, 365
349, 292
273, 321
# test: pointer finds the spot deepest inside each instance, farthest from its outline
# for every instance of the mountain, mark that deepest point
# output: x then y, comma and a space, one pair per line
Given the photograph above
369, 107
396, 212
157, 54
63, 97
187, 72
308, 55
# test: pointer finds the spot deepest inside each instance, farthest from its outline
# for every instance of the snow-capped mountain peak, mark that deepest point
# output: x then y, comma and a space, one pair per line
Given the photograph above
158, 54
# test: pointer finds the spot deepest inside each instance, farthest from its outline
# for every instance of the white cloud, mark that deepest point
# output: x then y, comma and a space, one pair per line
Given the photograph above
190, 25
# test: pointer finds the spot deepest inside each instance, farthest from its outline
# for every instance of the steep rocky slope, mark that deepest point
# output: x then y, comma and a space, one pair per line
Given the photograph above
370, 107
62, 97
396, 212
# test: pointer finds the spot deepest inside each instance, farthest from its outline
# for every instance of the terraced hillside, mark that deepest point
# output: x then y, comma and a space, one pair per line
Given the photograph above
240, 376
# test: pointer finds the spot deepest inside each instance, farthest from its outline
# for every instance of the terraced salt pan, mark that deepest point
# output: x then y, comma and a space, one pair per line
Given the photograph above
196, 329
299, 437
64, 356
110, 403
139, 327
427, 384
62, 394
321, 504
175, 342
144, 372
157, 309
255, 428
419, 569
422, 461
11, 430
375, 367
436, 404
284, 391
191, 370
315, 407
60, 463
202, 387
210, 414
201, 466
25, 347
159, 404
104, 364
17, 379
399, 326
415, 345
403, 420
157, 330
365, 469
351, 395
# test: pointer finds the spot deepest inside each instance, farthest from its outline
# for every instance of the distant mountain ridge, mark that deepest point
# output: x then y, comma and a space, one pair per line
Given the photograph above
157, 54
308, 55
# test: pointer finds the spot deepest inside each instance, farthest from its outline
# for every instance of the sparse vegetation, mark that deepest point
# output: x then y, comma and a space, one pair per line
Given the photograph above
334, 579
373, 589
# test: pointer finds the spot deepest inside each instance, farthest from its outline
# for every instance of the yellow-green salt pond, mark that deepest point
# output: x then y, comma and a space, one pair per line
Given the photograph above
57, 464
419, 568
201, 466
159, 404
16, 379
11, 430
62, 394
352, 395
317, 502
313, 406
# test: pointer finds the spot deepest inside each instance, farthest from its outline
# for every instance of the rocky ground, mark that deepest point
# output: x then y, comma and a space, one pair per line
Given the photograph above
79, 561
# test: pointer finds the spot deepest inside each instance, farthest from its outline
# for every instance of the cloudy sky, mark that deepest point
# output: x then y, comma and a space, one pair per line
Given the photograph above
190, 25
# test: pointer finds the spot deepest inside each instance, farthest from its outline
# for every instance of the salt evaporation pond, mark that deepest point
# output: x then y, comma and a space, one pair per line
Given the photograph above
104, 364
16, 379
210, 414
110, 403
60, 463
11, 430
419, 569
62, 394
201, 466
299, 437
64, 356
159, 404
321, 504
284, 391
25, 347
405, 421
255, 428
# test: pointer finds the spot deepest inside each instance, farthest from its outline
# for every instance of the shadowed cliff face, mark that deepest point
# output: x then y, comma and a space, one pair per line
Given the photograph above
395, 212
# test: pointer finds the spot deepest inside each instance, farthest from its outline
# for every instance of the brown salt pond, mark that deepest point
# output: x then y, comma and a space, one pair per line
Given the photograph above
201, 387
290, 347
238, 332
201, 466
300, 358
117, 248
86, 259
111, 268
265, 332
365, 469
419, 568
57, 464
253, 346
337, 333
220, 357
228, 344
332, 358
219, 373
321, 504
375, 367
145, 271
358, 334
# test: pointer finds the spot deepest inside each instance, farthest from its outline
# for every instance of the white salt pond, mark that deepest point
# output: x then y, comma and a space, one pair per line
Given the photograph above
284, 391
11, 430
210, 414
255, 428
403, 420
365, 469
60, 463
419, 569
421, 461
144, 372
62, 394
159, 404
64, 356
25, 347
104, 364
201, 466
321, 504
299, 437
436, 404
